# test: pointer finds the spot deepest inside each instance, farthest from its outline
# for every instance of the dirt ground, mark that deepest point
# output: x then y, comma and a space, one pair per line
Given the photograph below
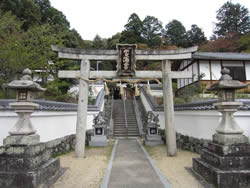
84, 172
173, 168
88, 172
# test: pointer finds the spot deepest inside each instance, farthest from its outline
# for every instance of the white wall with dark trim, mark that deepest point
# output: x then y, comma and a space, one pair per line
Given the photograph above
199, 124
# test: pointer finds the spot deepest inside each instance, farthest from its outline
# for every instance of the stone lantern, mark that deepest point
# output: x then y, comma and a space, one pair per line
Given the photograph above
23, 132
225, 162
24, 161
228, 132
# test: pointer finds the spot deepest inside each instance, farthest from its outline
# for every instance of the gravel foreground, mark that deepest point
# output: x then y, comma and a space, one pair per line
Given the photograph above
88, 172
84, 172
173, 168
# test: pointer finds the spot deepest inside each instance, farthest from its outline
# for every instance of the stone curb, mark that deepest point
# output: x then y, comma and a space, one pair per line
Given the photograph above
106, 177
158, 172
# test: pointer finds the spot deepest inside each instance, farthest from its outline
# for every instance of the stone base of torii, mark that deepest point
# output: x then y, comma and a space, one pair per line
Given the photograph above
165, 56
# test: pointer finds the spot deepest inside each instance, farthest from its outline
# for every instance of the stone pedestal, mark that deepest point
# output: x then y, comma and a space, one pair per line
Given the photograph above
226, 161
99, 139
24, 161
225, 166
153, 138
22, 139
26, 166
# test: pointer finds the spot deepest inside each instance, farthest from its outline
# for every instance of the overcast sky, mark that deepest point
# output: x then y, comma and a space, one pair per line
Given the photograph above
107, 17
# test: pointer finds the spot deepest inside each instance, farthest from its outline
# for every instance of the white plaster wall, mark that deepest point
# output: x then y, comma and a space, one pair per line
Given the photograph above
200, 124
195, 72
178, 83
216, 68
204, 68
49, 125
156, 93
247, 64
189, 80
182, 82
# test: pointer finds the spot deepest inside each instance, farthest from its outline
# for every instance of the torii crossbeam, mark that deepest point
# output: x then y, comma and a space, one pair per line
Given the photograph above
166, 56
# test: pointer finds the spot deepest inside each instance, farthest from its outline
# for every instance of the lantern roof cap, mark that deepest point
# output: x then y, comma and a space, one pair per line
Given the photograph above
25, 82
226, 82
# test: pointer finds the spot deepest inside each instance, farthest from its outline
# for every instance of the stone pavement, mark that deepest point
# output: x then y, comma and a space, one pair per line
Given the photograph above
132, 168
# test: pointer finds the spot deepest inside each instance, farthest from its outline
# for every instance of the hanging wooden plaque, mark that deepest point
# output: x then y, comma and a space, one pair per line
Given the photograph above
126, 59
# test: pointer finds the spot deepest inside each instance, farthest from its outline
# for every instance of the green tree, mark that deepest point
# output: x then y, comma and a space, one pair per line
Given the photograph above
115, 39
195, 36
244, 43
129, 37
72, 39
232, 18
176, 34
151, 31
38, 41
13, 53
99, 43
133, 29
50, 14
134, 24
26, 11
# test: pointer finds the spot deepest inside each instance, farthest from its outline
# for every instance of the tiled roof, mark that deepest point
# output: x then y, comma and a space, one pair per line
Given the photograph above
203, 105
56, 106
221, 56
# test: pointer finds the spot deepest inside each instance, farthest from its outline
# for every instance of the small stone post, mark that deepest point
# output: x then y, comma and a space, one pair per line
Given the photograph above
99, 139
152, 137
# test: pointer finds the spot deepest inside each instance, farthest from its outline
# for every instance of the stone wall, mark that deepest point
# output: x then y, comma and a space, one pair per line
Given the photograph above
61, 145
65, 144
187, 142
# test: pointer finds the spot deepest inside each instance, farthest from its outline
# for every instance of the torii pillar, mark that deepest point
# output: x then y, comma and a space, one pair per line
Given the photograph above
82, 110
170, 131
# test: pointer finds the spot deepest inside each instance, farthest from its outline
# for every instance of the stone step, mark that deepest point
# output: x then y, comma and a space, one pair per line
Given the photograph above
226, 162
124, 126
233, 150
124, 123
122, 129
126, 135
221, 178
126, 132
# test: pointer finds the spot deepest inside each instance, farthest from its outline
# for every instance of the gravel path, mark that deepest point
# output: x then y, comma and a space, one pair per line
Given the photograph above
84, 172
174, 167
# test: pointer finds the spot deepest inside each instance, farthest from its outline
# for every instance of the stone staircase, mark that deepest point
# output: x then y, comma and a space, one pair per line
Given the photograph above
120, 128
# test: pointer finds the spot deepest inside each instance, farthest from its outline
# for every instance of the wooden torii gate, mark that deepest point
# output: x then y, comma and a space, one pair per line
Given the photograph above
166, 56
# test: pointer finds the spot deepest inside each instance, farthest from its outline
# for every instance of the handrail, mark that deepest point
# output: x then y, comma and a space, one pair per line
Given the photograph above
111, 125
138, 117
125, 113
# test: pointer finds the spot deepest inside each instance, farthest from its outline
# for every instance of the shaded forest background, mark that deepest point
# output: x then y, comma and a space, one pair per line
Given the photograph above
29, 27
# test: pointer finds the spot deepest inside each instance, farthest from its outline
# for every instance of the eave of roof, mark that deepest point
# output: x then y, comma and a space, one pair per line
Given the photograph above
221, 56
